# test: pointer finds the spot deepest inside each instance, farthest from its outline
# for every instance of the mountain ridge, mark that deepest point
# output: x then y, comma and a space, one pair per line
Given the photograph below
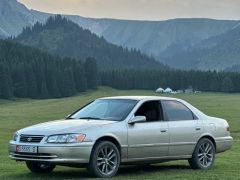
14, 16
105, 26
62, 37
164, 40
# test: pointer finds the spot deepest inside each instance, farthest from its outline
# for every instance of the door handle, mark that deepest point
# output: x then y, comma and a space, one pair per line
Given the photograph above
198, 128
163, 130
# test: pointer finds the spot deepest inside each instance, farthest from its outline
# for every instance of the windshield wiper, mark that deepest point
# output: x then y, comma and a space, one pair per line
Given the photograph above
90, 118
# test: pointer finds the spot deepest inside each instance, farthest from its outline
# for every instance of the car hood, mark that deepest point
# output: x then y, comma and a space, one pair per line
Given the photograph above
63, 126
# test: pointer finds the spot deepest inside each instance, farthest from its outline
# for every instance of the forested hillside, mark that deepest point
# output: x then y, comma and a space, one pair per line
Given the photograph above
26, 72
59, 59
62, 37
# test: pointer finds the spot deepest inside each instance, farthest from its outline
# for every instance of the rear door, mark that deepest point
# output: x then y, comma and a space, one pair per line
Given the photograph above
184, 128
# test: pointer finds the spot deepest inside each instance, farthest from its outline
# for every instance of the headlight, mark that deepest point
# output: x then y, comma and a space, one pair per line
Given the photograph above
15, 137
66, 138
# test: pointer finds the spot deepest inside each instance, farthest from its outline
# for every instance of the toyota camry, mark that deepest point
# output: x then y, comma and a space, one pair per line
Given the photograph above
109, 132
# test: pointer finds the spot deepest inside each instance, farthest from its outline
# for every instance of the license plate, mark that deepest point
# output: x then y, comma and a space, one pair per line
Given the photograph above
27, 149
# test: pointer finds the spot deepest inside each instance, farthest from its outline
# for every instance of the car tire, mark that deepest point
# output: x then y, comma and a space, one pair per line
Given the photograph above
36, 167
105, 160
204, 155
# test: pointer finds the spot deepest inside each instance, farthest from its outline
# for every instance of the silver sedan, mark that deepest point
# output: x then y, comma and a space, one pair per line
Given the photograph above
123, 130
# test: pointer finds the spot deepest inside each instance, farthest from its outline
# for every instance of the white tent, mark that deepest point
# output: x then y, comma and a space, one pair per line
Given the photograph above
159, 90
168, 90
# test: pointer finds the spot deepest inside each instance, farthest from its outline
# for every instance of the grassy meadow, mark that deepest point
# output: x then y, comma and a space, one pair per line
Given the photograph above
20, 113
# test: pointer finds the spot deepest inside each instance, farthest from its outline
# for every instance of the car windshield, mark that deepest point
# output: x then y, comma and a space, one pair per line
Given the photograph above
106, 109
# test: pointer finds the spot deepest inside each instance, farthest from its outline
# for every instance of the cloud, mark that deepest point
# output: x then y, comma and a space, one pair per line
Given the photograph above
141, 9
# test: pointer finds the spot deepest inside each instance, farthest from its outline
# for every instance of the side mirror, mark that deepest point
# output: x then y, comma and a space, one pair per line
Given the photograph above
137, 119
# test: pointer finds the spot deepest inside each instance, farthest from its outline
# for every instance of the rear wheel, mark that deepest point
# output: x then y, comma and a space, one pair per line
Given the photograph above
204, 155
37, 167
105, 160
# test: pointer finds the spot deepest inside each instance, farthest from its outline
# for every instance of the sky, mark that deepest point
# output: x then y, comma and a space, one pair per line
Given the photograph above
140, 9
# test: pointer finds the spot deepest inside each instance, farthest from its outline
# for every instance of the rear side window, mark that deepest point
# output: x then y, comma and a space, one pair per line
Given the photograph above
176, 111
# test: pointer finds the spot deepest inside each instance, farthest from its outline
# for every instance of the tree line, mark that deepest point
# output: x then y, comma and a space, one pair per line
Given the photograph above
26, 72
175, 79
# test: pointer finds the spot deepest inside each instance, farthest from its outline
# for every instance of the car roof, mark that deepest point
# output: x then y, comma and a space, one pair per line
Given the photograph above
139, 98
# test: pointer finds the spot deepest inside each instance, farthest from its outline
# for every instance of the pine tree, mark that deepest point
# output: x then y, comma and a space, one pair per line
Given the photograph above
19, 82
44, 92
79, 76
91, 73
5, 83
227, 85
55, 90
32, 90
68, 87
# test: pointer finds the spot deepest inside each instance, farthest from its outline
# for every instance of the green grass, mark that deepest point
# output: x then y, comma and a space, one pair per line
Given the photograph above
21, 113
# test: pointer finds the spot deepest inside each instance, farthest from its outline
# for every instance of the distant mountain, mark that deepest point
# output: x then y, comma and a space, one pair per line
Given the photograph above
62, 37
221, 52
160, 39
14, 16
179, 43
157, 38
166, 41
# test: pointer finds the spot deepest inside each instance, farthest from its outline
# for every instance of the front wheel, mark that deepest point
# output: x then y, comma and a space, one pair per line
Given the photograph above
204, 155
105, 160
36, 167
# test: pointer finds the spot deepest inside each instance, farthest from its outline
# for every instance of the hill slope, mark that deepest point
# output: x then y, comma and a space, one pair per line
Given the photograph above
219, 52
62, 37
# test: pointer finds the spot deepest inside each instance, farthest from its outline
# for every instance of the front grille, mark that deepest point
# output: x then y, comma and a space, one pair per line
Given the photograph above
31, 138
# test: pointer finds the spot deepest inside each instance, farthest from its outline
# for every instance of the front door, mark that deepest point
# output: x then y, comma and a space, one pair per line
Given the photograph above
148, 140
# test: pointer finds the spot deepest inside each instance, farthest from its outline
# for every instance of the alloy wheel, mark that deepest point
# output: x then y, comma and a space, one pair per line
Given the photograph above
205, 154
107, 160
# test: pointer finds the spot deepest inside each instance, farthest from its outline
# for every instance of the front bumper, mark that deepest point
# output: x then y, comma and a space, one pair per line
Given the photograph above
54, 153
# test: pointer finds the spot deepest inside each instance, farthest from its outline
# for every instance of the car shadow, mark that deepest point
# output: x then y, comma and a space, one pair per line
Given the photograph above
131, 170
76, 173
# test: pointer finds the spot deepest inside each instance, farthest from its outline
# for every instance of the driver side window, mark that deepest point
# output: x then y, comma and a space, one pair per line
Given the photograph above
151, 110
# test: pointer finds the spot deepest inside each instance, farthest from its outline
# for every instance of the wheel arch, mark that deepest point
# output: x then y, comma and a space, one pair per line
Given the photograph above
208, 136
110, 139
